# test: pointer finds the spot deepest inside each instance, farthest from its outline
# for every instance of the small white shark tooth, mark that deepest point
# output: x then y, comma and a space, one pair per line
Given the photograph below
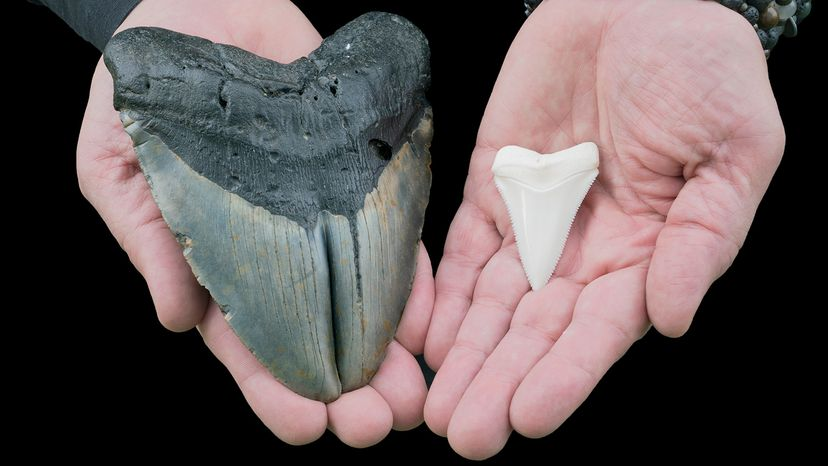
542, 193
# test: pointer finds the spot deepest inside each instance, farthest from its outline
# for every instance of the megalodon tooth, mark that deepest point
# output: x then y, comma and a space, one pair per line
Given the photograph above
542, 193
297, 191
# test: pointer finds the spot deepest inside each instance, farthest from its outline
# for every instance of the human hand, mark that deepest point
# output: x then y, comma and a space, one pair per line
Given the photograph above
676, 95
111, 180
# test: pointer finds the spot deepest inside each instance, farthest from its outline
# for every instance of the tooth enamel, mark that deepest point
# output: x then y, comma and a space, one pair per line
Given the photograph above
542, 193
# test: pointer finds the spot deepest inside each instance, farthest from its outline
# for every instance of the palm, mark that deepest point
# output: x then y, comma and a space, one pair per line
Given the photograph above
685, 159
111, 179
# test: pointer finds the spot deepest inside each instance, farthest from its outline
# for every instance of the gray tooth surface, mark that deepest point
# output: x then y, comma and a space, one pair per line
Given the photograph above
297, 191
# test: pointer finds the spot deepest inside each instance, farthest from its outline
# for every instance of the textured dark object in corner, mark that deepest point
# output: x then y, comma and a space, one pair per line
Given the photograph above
297, 191
530, 5
94, 20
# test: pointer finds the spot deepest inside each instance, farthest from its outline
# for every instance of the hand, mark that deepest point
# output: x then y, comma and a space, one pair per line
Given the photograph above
112, 181
676, 95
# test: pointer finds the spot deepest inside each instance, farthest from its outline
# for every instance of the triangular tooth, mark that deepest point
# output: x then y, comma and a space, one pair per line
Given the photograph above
297, 190
542, 193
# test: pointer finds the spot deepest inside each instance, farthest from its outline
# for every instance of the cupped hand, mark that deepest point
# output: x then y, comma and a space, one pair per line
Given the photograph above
677, 97
111, 180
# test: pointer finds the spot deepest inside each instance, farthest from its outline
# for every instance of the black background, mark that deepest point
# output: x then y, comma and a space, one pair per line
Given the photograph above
90, 368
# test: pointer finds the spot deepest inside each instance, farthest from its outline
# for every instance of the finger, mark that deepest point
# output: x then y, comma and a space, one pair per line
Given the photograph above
401, 384
294, 419
609, 317
500, 287
110, 179
360, 418
471, 242
180, 301
411, 332
480, 425
705, 228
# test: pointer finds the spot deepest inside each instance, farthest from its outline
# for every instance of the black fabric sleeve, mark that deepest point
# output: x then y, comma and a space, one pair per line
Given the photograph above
94, 20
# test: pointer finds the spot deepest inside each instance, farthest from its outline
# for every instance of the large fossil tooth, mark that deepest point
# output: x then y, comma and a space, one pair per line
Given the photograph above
542, 193
297, 191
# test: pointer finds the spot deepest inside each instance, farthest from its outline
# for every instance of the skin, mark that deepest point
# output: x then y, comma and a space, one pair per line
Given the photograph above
111, 180
677, 97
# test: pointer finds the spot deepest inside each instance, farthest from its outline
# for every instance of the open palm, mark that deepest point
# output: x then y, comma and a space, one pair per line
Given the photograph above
111, 179
677, 98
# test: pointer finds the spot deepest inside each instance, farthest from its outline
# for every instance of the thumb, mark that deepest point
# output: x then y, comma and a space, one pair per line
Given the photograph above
704, 230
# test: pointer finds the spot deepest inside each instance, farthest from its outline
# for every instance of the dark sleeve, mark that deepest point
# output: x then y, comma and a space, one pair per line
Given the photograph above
94, 20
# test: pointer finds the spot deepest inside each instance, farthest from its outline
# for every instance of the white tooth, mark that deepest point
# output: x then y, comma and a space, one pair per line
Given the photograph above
542, 193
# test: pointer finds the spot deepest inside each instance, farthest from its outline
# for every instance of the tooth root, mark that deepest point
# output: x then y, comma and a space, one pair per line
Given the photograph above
542, 194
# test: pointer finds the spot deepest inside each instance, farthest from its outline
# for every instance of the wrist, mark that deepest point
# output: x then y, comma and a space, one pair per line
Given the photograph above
179, 15
771, 19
